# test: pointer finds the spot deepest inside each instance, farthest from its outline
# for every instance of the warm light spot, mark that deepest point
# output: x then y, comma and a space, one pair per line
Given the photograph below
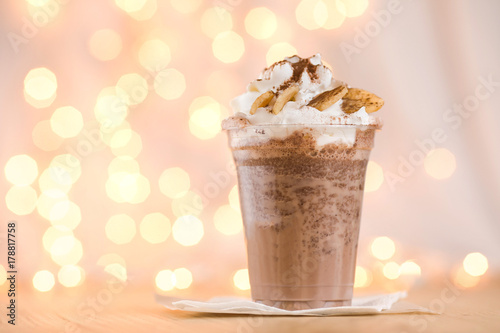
374, 177
234, 198
475, 264
462, 279
311, 14
183, 278
440, 163
216, 20
228, 46
391, 270
38, 3
165, 280
111, 258
155, 228
174, 182
110, 110
71, 276
69, 253
205, 117
188, 203
52, 234
21, 170
67, 167
43, 281
169, 84
335, 17
130, 5
279, 51
261, 23
21, 200
47, 201
132, 88
410, 268
44, 138
3, 275
67, 122
117, 270
154, 55
120, 229
51, 179
362, 278
105, 44
126, 142
352, 8
241, 279
67, 214
128, 187
383, 248
188, 230
185, 6
40, 84
146, 12
228, 220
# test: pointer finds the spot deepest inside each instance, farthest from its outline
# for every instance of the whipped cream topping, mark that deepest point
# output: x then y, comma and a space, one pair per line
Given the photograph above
312, 78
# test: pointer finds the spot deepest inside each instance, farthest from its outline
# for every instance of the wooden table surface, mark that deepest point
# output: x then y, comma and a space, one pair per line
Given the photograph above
134, 310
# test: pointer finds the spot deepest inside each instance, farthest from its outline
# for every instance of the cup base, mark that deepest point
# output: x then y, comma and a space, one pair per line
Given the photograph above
304, 305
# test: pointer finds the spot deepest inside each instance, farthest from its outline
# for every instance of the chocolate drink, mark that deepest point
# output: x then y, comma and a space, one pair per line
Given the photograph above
301, 207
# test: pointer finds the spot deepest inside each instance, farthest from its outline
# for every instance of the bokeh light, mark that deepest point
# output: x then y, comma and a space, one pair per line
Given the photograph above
125, 164
117, 270
52, 234
130, 5
335, 17
279, 51
21, 170
189, 203
165, 280
44, 138
216, 20
410, 268
440, 163
311, 14
126, 142
169, 84
464, 280
40, 84
128, 187
185, 6
67, 122
475, 264
174, 182
241, 279
227, 220
146, 12
21, 200
234, 198
110, 110
228, 47
362, 278
261, 23
43, 281
120, 229
67, 167
206, 115
154, 55
391, 270
105, 44
183, 278
66, 250
51, 179
352, 8
50, 202
188, 230
69, 215
155, 228
383, 248
374, 177
38, 3
132, 88
71, 276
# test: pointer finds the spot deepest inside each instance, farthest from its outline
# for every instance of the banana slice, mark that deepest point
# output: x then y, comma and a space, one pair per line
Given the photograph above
261, 101
356, 98
285, 96
326, 99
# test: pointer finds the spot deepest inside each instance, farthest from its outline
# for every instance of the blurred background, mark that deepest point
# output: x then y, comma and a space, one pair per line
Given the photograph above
114, 165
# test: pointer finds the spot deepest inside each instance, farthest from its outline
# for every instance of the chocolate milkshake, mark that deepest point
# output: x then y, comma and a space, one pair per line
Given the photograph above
301, 173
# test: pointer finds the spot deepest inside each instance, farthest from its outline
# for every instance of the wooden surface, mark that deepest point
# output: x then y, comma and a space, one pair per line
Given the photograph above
134, 310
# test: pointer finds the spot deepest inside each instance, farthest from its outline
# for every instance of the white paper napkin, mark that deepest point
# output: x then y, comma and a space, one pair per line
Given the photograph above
377, 304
